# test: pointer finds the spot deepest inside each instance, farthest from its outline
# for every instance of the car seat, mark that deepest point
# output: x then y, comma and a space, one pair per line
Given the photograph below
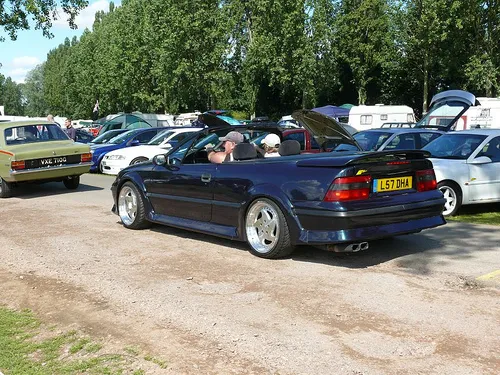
244, 151
494, 151
289, 147
406, 144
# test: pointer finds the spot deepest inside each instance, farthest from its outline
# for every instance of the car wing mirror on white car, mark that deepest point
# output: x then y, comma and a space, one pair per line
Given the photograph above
481, 160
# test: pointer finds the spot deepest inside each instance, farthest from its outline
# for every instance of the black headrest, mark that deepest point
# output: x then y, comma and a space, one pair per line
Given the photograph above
289, 147
244, 151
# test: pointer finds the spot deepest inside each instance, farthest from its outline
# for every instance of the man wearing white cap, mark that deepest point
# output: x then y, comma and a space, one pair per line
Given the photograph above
271, 145
230, 140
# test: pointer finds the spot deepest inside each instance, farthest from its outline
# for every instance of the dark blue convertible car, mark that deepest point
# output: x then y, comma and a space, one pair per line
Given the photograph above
338, 201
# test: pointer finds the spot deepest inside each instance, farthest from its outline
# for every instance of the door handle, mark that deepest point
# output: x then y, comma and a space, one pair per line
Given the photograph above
206, 177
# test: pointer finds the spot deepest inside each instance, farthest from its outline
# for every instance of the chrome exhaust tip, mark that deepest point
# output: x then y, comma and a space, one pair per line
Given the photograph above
348, 248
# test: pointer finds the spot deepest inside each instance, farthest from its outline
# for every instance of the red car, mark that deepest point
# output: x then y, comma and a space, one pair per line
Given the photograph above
307, 142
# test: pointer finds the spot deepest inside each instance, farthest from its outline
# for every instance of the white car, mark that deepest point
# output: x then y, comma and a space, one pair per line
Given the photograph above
114, 161
467, 167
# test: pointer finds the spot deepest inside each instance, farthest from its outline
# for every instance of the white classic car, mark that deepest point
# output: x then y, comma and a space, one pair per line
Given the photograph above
467, 167
114, 161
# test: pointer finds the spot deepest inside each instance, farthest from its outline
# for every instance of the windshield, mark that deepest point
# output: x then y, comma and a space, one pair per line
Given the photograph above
34, 134
105, 137
161, 138
122, 137
443, 115
454, 146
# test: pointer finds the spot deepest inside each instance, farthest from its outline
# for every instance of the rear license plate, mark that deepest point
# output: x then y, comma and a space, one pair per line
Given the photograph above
53, 161
392, 184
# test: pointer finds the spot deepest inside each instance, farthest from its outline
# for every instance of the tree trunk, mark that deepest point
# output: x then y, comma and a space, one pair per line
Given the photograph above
426, 85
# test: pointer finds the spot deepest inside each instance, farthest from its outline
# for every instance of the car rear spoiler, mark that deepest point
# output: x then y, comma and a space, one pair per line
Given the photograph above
363, 158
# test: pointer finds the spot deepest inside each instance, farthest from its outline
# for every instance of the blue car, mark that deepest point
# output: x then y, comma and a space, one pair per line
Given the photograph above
337, 201
126, 138
385, 139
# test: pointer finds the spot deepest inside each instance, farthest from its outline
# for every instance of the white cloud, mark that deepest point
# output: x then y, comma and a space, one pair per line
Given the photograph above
25, 62
18, 75
18, 67
85, 18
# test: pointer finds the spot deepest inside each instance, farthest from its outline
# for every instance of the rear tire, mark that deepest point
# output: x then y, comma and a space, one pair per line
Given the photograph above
453, 195
72, 183
131, 207
5, 189
267, 230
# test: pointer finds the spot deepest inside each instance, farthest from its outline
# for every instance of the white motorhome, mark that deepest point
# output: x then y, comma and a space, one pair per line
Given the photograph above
185, 119
373, 116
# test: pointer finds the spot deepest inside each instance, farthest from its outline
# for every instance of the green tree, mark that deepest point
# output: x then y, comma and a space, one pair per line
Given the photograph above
15, 14
32, 92
12, 98
364, 41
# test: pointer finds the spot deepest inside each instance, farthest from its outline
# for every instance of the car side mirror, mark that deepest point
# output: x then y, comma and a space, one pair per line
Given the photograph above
135, 142
481, 160
173, 162
159, 160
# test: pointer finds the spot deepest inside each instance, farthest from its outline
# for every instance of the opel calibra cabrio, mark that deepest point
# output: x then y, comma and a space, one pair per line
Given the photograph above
338, 200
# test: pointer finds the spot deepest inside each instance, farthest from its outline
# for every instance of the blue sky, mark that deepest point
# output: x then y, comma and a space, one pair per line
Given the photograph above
31, 47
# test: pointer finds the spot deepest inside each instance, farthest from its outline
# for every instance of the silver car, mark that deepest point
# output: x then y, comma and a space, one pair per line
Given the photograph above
467, 167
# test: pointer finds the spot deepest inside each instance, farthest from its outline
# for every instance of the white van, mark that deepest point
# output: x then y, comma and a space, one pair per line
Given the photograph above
373, 116
485, 114
460, 110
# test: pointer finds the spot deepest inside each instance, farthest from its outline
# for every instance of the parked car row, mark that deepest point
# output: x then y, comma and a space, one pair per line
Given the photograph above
327, 187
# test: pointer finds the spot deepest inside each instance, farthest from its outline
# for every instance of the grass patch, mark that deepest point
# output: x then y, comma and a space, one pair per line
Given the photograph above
27, 347
488, 213
159, 362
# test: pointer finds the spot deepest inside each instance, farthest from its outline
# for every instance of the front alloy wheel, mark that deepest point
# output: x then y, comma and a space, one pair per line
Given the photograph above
131, 208
453, 198
267, 230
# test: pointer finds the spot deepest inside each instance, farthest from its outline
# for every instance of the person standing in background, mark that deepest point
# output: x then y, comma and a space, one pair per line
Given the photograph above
70, 130
50, 118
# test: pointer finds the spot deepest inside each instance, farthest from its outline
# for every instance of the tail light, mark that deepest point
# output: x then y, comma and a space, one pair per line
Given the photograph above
348, 189
426, 180
86, 157
17, 165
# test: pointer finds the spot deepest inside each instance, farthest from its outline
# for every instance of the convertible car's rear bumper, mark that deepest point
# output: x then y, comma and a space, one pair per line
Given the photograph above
327, 227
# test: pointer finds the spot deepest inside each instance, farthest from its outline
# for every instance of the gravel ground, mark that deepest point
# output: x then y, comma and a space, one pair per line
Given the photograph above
410, 305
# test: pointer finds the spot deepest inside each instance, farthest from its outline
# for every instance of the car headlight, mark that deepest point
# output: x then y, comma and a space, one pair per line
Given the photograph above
115, 157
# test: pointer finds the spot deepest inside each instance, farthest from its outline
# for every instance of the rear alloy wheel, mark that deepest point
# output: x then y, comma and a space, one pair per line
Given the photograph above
452, 194
267, 231
5, 189
131, 207
72, 183
138, 160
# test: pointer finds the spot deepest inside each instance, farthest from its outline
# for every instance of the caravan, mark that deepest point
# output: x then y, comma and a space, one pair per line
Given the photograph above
364, 117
